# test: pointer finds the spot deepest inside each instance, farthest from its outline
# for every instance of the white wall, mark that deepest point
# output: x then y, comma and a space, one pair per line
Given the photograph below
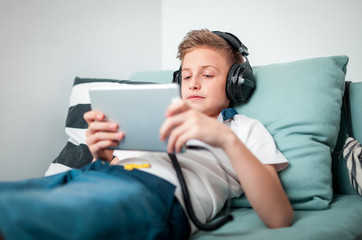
44, 44
274, 31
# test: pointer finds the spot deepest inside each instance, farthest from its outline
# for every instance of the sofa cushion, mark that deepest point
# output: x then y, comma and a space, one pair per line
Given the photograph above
356, 109
341, 182
75, 153
300, 104
341, 221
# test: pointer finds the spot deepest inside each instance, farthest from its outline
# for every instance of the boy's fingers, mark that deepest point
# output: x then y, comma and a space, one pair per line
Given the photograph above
92, 116
104, 137
101, 136
103, 126
176, 107
99, 146
169, 124
178, 138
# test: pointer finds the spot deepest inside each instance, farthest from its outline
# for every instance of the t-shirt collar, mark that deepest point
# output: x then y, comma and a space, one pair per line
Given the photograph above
226, 114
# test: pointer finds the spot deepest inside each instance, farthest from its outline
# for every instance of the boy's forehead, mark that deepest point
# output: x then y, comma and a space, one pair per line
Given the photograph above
206, 56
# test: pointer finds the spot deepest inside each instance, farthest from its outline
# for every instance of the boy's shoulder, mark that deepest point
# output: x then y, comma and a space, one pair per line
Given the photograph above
250, 127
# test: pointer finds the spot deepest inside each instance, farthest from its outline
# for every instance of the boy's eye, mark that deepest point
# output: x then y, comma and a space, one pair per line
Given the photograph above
187, 77
208, 75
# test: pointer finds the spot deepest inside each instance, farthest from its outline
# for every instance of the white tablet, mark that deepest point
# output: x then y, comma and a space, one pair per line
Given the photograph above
139, 110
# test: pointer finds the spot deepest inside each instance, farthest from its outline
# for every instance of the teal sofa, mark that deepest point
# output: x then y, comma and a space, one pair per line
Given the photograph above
300, 104
326, 206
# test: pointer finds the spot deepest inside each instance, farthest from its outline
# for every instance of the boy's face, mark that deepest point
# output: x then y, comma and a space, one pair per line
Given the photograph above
204, 73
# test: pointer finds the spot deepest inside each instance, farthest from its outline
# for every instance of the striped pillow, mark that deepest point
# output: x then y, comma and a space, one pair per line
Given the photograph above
352, 154
76, 154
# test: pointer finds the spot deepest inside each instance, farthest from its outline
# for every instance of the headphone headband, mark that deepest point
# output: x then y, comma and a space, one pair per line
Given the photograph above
234, 42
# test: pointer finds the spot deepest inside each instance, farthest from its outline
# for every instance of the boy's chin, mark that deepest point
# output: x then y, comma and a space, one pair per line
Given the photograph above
197, 106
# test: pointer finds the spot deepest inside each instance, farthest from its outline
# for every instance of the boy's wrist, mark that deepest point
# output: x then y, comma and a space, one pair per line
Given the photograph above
229, 140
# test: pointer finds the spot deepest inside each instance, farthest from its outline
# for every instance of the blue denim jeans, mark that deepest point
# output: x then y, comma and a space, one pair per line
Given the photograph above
98, 201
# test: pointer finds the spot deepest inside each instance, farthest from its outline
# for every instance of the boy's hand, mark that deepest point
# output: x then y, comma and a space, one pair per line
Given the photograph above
183, 123
101, 135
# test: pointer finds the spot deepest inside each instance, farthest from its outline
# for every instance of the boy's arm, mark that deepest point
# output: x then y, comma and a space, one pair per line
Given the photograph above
260, 183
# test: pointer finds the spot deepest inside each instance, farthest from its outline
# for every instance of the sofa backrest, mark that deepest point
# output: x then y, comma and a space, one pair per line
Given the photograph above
341, 184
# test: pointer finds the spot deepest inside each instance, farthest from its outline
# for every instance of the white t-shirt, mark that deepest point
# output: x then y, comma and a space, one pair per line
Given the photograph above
203, 175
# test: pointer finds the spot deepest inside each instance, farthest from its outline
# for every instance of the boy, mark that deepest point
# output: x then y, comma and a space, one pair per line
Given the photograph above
121, 199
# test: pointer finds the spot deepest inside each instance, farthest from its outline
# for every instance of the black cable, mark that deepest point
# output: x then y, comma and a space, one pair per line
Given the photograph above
228, 202
186, 196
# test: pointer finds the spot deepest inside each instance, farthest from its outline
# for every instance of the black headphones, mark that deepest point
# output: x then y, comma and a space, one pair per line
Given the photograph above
240, 82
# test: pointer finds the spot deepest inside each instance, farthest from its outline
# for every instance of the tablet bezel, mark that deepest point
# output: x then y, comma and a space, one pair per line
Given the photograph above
139, 110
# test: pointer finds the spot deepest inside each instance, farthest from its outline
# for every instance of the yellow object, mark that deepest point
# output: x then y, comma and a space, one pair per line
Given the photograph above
131, 166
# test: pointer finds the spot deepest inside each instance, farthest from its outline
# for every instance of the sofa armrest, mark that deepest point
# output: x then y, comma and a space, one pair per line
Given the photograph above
356, 109
341, 183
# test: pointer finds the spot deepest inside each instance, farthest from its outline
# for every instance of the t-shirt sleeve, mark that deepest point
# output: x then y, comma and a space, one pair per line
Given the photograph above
259, 141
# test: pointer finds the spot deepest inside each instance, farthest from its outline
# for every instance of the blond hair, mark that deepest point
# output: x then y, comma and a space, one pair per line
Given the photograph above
205, 38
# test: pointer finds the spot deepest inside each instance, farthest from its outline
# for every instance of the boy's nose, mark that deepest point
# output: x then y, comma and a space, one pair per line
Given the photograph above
195, 83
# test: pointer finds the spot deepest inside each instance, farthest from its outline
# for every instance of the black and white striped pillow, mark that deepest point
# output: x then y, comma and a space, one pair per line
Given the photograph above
352, 154
76, 154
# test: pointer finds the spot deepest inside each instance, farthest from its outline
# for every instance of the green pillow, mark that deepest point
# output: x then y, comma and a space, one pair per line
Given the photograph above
152, 76
299, 103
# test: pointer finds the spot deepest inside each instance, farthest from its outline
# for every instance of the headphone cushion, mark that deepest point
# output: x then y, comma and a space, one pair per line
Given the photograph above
177, 77
240, 83
231, 82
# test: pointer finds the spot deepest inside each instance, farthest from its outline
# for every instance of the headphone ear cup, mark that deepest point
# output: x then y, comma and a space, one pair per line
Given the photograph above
177, 78
230, 82
240, 83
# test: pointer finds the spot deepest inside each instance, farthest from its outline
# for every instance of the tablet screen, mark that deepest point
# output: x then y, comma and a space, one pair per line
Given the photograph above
139, 110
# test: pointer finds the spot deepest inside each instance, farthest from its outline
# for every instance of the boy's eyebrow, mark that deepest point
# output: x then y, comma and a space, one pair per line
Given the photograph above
203, 67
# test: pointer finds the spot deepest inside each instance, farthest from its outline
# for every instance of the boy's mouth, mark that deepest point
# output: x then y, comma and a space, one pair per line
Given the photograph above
195, 97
